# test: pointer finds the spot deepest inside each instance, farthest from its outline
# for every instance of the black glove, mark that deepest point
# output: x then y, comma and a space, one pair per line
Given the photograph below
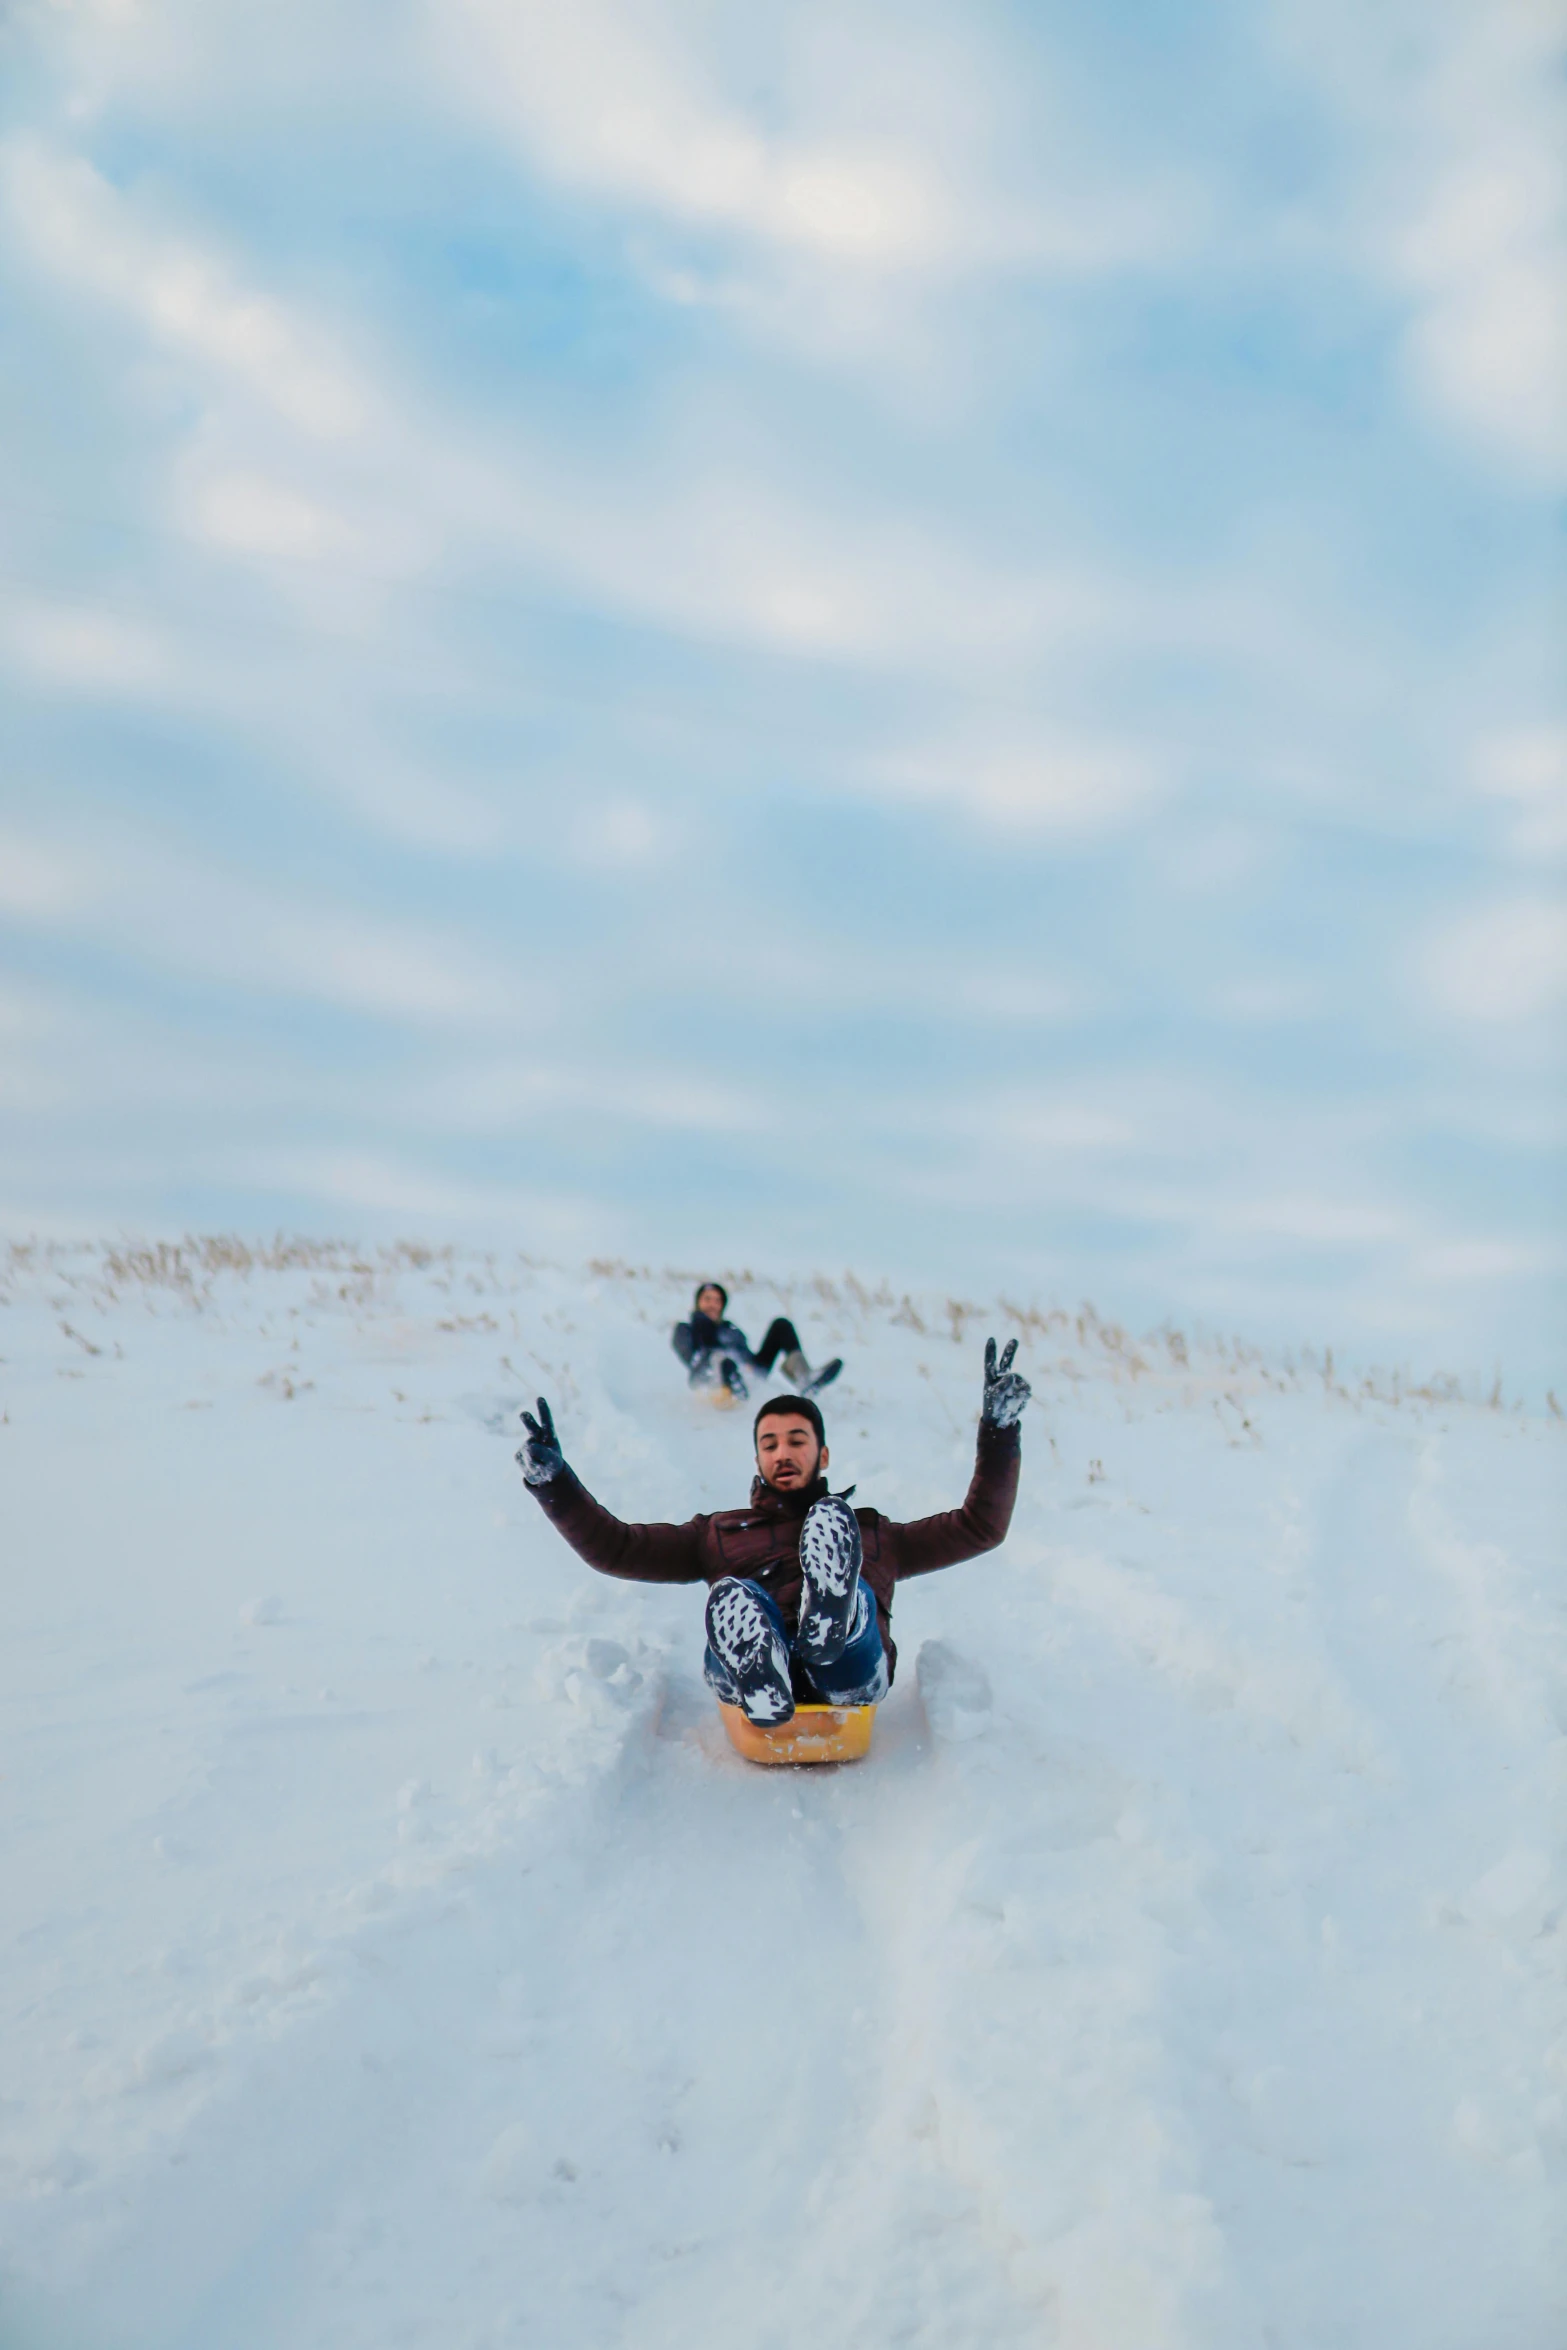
540, 1459
1006, 1390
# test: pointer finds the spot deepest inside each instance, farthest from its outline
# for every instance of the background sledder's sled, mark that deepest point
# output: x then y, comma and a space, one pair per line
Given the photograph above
813, 1734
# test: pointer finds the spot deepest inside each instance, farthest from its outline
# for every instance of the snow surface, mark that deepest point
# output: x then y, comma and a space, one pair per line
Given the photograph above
395, 1953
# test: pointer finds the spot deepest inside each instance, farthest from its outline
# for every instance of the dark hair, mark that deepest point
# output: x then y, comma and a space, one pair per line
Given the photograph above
696, 1298
790, 1407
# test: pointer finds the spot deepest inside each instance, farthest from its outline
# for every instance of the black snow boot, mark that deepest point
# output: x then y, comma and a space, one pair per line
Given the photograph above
810, 1382
830, 1571
730, 1374
750, 1648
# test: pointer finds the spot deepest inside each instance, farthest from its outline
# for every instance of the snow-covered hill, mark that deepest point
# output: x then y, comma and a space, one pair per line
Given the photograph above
394, 1953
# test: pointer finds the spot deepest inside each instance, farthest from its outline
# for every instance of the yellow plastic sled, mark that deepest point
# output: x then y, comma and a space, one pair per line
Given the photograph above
813, 1734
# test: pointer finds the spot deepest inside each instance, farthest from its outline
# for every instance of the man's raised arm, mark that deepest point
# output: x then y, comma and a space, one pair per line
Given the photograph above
638, 1554
981, 1524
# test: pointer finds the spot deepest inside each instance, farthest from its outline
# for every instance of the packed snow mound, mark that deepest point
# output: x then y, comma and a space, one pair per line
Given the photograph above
396, 1952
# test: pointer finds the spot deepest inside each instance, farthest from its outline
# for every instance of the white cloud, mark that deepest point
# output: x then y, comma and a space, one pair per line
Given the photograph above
1527, 770
1485, 255
280, 712
393, 1192
291, 457
604, 104
1024, 784
830, 178
1044, 1143
731, 544
493, 1097
700, 530
891, 145
33, 1081
617, 835
1213, 858
1458, 199
177, 911
383, 1187
919, 980
1041, 1123
697, 526
1503, 964
260, 517
1491, 348
1322, 1219
1480, 1259
82, 648
40, 883
366, 965
21, 1015
1267, 1000
88, 234
995, 994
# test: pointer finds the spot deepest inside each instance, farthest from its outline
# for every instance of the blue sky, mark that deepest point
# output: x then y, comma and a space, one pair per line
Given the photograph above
917, 638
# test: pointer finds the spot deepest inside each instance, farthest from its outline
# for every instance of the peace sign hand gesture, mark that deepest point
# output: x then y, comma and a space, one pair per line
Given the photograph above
1006, 1390
540, 1458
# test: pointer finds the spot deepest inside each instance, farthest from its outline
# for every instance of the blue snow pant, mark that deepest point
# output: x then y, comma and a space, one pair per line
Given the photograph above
857, 1676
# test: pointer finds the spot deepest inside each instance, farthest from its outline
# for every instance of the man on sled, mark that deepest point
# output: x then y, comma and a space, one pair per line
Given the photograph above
800, 1585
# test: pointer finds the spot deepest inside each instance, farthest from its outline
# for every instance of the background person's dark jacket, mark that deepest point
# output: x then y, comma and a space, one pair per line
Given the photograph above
699, 1337
762, 1541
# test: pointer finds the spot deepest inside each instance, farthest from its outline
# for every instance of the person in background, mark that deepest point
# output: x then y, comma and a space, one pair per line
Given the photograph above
717, 1354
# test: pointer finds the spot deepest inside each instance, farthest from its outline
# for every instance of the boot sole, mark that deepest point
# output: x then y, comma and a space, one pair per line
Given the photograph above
752, 1654
831, 1555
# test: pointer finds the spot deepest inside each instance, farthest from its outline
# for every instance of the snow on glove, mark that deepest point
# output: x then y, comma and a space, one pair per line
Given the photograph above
540, 1459
1006, 1390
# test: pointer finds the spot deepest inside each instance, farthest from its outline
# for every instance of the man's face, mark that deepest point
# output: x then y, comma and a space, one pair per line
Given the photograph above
710, 1301
787, 1452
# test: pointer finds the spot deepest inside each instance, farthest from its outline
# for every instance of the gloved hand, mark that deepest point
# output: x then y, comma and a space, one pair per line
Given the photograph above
540, 1459
1006, 1390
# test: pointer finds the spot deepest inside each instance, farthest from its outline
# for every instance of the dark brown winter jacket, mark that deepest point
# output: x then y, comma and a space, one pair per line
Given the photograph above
762, 1541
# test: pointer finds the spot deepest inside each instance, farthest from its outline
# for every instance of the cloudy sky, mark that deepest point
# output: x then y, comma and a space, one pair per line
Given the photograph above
923, 638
